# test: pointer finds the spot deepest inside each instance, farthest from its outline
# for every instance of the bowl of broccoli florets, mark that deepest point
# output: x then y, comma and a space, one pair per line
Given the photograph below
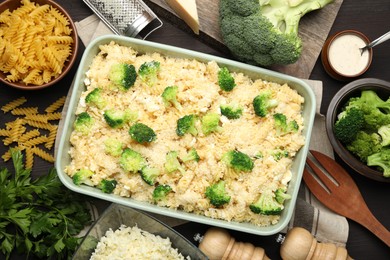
358, 127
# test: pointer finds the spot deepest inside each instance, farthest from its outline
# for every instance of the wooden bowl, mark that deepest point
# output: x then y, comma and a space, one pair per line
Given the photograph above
12, 5
353, 89
341, 57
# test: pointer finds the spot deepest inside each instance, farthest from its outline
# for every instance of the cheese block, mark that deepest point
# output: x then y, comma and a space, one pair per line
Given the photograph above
186, 10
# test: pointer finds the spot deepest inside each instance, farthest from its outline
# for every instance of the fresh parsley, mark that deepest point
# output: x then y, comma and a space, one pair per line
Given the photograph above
39, 217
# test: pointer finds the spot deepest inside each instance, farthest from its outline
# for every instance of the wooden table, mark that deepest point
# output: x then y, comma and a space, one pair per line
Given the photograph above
372, 17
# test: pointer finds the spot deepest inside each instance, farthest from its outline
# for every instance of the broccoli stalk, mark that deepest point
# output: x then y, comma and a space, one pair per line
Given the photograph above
83, 176
148, 72
107, 186
169, 97
122, 75
83, 123
142, 133
384, 132
172, 163
217, 194
281, 195
186, 124
382, 160
161, 192
225, 80
266, 205
264, 32
238, 161
263, 102
131, 161
95, 98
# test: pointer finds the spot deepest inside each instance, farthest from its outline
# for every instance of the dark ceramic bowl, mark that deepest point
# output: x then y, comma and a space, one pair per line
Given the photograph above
353, 89
11, 5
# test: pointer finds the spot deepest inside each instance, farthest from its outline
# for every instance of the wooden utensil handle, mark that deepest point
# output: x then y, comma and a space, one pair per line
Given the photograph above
368, 220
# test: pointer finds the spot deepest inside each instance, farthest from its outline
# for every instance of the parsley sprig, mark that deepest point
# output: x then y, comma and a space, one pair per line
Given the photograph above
39, 217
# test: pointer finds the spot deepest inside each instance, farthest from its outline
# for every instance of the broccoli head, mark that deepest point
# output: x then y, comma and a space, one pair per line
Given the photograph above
161, 192
365, 144
132, 161
149, 174
169, 97
95, 98
210, 123
283, 126
266, 205
381, 159
349, 122
148, 72
118, 118
83, 176
231, 111
384, 132
263, 102
123, 75
113, 146
142, 133
238, 161
186, 124
281, 195
172, 162
217, 194
192, 155
225, 79
83, 123
107, 186
264, 32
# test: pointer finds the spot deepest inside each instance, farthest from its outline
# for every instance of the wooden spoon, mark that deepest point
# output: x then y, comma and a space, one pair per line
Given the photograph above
341, 194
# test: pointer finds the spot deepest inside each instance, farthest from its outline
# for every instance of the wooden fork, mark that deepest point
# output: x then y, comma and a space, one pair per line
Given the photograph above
341, 195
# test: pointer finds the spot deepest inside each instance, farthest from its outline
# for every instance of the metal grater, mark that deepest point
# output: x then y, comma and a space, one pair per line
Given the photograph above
131, 18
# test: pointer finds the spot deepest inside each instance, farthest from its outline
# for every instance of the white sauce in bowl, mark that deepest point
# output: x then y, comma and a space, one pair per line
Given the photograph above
345, 57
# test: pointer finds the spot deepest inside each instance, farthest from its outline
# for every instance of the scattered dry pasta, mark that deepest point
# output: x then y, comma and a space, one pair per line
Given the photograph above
35, 43
31, 131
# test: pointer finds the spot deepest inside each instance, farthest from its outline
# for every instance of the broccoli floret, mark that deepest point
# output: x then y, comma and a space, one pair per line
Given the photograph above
348, 124
148, 72
364, 145
117, 118
238, 161
292, 126
113, 146
210, 123
83, 176
231, 111
161, 191
376, 111
132, 161
123, 75
95, 98
384, 132
149, 174
172, 162
266, 205
264, 32
381, 160
225, 79
278, 154
142, 133
263, 102
281, 195
192, 155
280, 123
169, 97
107, 186
217, 194
186, 124
83, 123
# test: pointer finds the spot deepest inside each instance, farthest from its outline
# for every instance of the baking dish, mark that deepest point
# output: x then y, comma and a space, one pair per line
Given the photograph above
142, 46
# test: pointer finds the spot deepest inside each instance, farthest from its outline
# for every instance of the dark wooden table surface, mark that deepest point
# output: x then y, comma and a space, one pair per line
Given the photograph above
372, 17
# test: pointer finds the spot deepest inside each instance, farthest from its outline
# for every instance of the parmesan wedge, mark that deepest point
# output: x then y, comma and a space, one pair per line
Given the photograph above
186, 10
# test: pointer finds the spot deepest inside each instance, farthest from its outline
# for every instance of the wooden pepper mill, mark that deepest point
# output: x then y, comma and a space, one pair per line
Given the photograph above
217, 244
300, 244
